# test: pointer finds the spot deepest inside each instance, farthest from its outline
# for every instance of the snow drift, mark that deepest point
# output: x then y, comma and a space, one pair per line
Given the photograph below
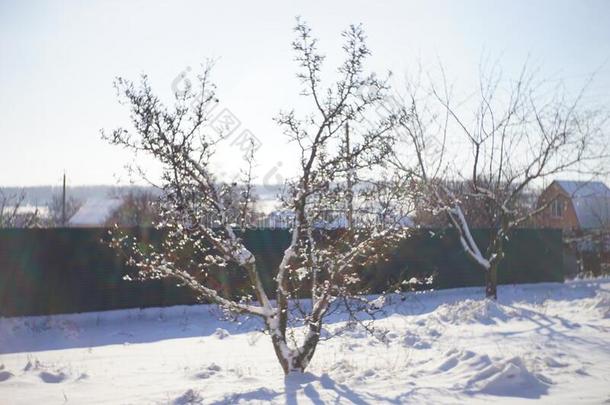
547, 342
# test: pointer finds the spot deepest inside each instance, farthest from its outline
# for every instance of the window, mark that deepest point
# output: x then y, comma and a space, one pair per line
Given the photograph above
557, 208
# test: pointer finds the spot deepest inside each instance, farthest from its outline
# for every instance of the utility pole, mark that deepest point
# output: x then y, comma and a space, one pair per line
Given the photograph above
63, 203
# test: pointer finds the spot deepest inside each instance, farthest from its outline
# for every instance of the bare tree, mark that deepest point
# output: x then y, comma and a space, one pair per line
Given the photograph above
59, 212
14, 213
321, 265
139, 208
505, 139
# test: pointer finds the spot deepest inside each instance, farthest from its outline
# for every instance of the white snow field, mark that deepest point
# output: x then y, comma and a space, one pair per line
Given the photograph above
548, 343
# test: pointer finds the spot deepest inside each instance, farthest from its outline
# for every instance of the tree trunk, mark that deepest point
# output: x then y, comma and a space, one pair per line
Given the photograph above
277, 346
293, 361
491, 282
302, 359
495, 253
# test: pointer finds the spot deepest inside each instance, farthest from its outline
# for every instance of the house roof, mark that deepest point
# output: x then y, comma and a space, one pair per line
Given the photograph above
95, 212
591, 202
581, 189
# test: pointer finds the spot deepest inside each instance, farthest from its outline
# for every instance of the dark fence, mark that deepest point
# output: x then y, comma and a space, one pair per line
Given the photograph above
47, 271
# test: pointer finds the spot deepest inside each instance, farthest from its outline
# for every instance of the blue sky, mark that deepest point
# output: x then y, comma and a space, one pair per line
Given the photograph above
58, 61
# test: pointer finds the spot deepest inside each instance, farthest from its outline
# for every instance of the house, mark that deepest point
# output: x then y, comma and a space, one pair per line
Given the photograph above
335, 220
575, 206
279, 219
95, 212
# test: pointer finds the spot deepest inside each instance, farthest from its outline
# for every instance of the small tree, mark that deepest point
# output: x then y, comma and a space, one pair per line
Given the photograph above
57, 210
139, 208
515, 134
321, 265
14, 213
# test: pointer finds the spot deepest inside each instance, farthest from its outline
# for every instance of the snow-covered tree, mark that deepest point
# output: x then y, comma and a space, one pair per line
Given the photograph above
507, 138
319, 264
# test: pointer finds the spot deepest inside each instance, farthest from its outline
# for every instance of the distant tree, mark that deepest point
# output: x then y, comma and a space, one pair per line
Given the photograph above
15, 214
240, 202
320, 265
139, 208
55, 217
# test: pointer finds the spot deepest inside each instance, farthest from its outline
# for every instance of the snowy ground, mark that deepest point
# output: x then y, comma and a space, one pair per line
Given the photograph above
544, 342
